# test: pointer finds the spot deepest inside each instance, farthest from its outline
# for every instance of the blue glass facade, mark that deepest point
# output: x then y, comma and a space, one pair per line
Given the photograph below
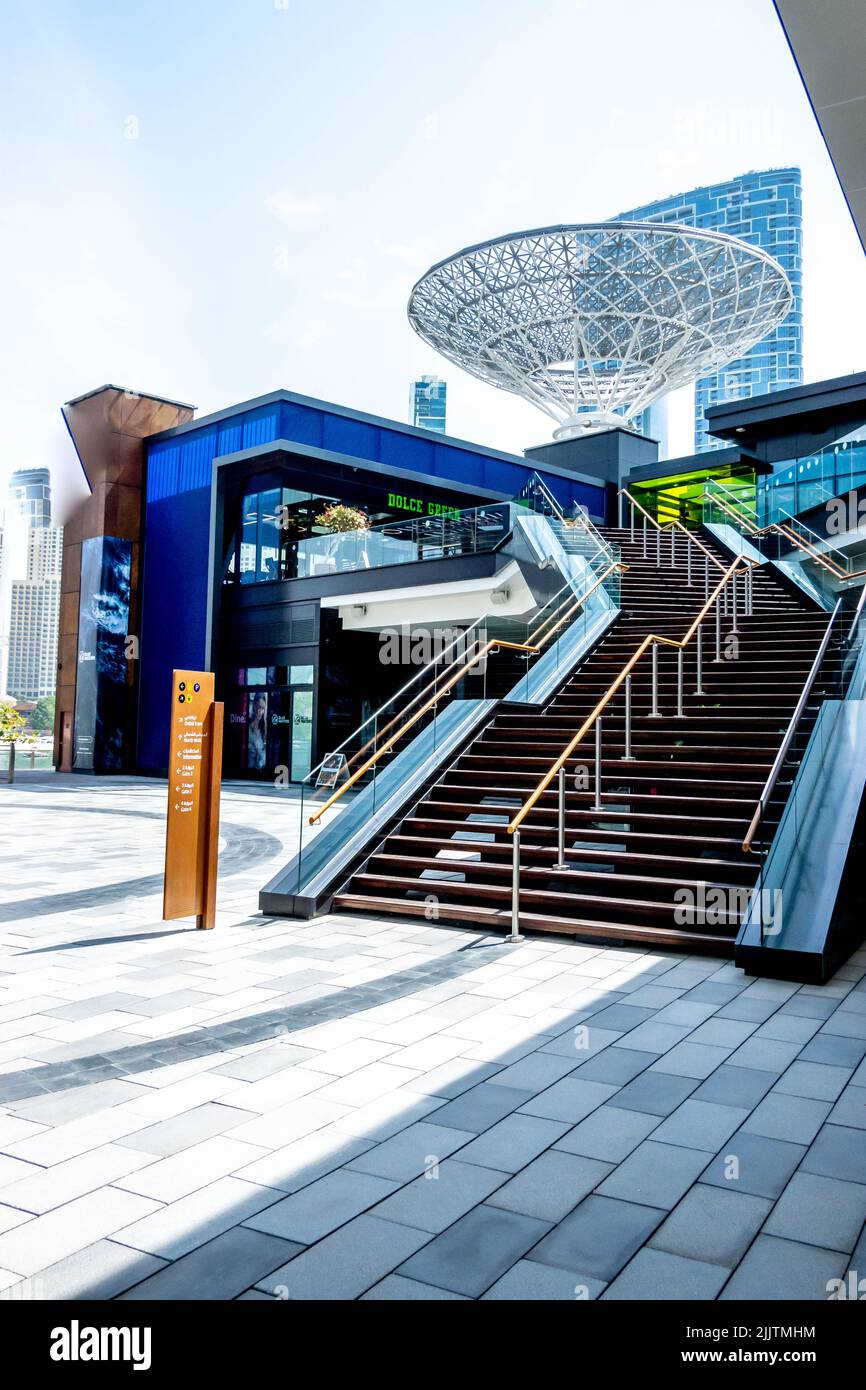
180, 466
766, 210
428, 403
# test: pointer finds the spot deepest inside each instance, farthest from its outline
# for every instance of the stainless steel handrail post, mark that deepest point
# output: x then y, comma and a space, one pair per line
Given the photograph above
597, 806
706, 577
515, 889
631, 533
654, 712
699, 690
627, 755
718, 655
658, 548
644, 537
560, 863
689, 564
680, 712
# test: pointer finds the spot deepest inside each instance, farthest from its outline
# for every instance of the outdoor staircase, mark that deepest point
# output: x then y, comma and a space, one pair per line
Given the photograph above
674, 818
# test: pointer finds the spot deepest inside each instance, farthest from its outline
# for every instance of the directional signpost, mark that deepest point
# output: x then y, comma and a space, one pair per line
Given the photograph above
194, 772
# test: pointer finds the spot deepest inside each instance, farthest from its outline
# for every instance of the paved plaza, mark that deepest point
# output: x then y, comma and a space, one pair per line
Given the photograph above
351, 1108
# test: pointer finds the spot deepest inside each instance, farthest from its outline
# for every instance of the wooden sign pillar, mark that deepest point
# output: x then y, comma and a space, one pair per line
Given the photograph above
194, 774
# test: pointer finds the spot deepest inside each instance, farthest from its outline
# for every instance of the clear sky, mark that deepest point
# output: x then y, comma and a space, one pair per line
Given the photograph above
209, 199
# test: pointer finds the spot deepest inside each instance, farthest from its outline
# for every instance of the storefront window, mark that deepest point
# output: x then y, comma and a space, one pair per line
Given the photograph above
270, 729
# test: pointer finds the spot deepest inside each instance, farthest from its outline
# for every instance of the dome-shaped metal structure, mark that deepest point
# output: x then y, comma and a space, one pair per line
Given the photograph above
593, 322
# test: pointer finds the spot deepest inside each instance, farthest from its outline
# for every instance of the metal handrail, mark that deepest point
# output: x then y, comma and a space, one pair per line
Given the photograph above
460, 638
672, 525
439, 675
649, 641
791, 730
789, 535
494, 643
582, 519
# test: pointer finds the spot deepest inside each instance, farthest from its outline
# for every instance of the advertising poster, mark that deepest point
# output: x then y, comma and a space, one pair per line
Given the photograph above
103, 620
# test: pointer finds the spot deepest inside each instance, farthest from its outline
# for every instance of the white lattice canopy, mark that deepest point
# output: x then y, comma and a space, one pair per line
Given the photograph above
592, 323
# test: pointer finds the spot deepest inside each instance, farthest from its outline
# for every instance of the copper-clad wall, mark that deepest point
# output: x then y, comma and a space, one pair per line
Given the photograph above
107, 428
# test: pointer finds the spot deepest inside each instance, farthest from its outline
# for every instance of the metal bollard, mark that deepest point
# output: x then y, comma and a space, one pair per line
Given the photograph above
515, 890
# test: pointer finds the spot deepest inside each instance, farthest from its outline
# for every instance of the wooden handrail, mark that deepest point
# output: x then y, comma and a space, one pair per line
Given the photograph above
791, 536
671, 525
587, 724
492, 645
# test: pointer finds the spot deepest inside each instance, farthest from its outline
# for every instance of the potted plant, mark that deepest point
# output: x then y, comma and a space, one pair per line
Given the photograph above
339, 517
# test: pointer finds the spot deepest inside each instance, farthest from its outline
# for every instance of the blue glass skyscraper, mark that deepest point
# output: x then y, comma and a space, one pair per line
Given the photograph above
428, 403
765, 209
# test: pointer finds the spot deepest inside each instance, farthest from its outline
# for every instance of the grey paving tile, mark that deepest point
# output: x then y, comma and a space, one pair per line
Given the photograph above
174, 1230
436, 1202
476, 1251
74, 1104
102, 1270
846, 1024
751, 1163
654, 1174
529, 1281
537, 1071
656, 1093
621, 1017
598, 1237
616, 1066
181, 1131
788, 1117
809, 1006
814, 1080
850, 1108
513, 1143
723, 1032
223, 1268
697, 1060
712, 1224
396, 1288
789, 1028
569, 1100
655, 1037
749, 1008
700, 1124
313, 1212
656, 1274
452, 1079
551, 1186
348, 1263
409, 1153
268, 1060
775, 1269
838, 1152
584, 1039
482, 1107
609, 1133
738, 1086
819, 1211
48, 1239
834, 1051
765, 1054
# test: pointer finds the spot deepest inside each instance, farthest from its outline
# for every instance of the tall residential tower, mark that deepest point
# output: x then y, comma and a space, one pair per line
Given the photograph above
765, 209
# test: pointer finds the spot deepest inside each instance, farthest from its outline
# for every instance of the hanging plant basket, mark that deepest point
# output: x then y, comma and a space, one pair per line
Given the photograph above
342, 518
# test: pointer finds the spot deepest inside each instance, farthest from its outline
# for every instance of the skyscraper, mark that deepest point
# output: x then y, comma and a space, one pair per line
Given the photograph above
765, 209
30, 601
428, 403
